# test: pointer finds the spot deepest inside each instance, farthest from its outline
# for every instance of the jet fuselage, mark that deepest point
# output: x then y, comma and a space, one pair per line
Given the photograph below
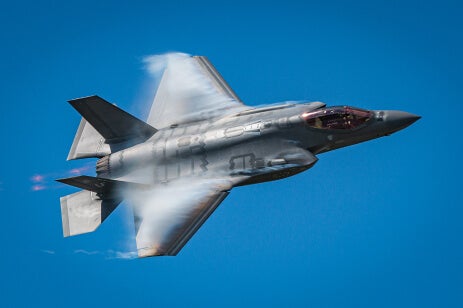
261, 144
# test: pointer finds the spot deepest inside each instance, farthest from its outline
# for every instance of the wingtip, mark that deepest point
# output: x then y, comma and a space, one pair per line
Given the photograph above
75, 101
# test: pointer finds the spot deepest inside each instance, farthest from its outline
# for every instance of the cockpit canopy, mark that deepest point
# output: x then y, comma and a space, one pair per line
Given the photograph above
337, 118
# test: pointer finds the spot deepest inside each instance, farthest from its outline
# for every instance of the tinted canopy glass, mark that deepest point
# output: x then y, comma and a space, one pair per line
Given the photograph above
337, 118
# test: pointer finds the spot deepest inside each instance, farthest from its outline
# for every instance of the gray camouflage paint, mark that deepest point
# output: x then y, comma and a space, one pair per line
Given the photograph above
257, 146
198, 143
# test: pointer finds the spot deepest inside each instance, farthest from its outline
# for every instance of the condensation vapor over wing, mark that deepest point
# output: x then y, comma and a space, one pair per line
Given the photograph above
167, 216
190, 90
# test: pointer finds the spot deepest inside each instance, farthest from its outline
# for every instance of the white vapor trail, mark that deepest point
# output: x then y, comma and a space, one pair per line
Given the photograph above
50, 252
109, 254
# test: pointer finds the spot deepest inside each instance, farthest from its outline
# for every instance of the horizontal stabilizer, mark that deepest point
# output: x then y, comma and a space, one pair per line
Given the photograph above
103, 187
84, 211
113, 123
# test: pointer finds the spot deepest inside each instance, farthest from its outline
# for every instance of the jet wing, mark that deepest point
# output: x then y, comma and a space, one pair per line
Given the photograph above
191, 90
167, 216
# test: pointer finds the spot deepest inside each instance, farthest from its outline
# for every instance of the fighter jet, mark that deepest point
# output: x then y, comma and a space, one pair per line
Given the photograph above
199, 141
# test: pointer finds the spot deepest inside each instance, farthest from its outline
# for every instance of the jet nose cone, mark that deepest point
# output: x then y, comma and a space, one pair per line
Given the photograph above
401, 118
397, 120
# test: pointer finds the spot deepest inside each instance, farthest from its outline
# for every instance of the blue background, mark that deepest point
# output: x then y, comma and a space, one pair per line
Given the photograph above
373, 225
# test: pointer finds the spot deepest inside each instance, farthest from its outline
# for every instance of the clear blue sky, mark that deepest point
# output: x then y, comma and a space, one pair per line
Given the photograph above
374, 225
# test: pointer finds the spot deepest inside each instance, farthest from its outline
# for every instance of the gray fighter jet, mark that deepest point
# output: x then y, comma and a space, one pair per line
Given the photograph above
198, 143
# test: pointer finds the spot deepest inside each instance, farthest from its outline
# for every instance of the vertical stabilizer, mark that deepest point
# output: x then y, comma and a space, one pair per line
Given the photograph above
88, 143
